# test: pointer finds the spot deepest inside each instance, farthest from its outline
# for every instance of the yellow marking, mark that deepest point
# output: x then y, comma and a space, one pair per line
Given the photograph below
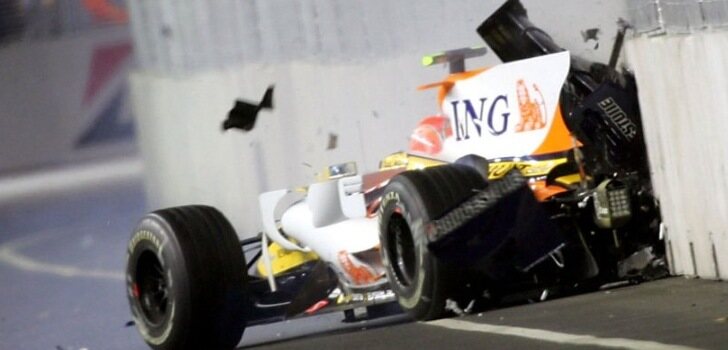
569, 179
529, 168
283, 260
407, 161
496, 170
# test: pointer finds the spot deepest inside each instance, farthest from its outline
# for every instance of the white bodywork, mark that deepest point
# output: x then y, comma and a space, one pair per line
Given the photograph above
489, 129
331, 219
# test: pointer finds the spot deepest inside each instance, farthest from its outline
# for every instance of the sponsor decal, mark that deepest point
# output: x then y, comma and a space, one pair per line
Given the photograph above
610, 107
493, 114
496, 118
533, 110
510, 110
144, 236
357, 271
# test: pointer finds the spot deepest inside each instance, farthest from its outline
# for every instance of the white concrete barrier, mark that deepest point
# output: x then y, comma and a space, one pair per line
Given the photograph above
684, 101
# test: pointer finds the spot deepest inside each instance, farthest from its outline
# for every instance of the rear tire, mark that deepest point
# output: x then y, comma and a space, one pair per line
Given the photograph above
187, 280
421, 282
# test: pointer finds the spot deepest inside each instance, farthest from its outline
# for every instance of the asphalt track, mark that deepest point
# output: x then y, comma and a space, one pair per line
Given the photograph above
670, 314
61, 287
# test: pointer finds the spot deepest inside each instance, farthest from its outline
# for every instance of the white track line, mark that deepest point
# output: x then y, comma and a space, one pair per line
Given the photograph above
42, 183
556, 337
9, 253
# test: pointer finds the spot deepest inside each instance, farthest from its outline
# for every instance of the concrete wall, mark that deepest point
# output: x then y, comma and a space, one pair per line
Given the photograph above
348, 71
684, 99
182, 36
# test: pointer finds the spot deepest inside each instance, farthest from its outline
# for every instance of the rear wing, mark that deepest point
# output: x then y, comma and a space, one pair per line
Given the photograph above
512, 36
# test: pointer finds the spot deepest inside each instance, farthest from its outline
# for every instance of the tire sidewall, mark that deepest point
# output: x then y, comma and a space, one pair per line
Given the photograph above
417, 297
153, 235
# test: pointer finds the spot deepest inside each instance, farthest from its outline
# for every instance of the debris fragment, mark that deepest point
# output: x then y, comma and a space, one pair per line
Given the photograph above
244, 113
129, 323
723, 319
452, 305
333, 141
317, 306
544, 295
591, 34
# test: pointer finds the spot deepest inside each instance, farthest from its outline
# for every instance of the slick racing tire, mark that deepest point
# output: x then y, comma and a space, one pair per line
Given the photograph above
186, 280
421, 282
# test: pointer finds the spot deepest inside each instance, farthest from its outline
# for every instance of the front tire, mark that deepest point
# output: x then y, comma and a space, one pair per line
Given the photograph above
187, 280
421, 282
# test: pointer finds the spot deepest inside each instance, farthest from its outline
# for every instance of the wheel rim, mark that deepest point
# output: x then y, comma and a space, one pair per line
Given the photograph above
151, 288
402, 250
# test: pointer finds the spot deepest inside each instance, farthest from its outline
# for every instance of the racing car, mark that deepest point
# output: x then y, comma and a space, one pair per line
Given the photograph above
532, 177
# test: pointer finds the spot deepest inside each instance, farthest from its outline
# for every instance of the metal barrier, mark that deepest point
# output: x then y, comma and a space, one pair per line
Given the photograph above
657, 17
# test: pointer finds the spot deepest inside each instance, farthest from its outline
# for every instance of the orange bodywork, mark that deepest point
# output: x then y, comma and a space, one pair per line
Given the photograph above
545, 192
558, 138
359, 273
447, 84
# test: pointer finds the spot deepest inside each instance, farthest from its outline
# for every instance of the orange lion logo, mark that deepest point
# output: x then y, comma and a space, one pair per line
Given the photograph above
533, 112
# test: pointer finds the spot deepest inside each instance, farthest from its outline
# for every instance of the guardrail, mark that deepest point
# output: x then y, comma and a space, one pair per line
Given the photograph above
658, 17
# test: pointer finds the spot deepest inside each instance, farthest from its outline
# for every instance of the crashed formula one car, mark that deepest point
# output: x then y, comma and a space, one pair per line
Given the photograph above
532, 178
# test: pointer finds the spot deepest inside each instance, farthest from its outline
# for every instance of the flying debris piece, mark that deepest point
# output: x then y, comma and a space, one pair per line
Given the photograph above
244, 113
333, 141
591, 34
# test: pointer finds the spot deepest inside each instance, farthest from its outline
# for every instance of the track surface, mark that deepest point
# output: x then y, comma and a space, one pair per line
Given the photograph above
675, 313
62, 259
